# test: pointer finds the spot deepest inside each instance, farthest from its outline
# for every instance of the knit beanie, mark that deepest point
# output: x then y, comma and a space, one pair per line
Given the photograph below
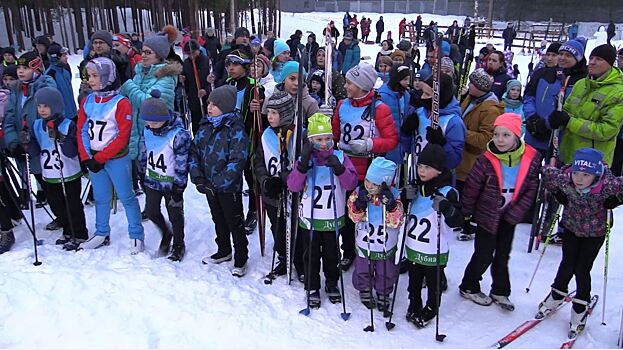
56, 51
262, 59
105, 68
154, 109
319, 124
159, 44
318, 76
31, 60
397, 53
362, 75
447, 64
434, 156
513, 83
122, 39
283, 103
224, 97
381, 170
511, 121
290, 67
269, 47
385, 60
481, 80
396, 75
606, 52
575, 48
446, 89
280, 47
52, 98
191, 45
588, 160
9, 50
241, 31
102, 35
404, 45
10, 70
445, 48
553, 47
43, 40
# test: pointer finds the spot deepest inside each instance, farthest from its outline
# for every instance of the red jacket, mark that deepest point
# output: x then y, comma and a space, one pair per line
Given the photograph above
385, 142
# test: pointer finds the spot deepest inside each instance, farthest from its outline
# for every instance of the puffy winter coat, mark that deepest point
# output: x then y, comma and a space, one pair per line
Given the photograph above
161, 76
478, 116
500, 78
62, 77
380, 26
482, 195
595, 108
382, 143
20, 108
190, 85
540, 99
259, 163
219, 154
351, 55
398, 104
297, 179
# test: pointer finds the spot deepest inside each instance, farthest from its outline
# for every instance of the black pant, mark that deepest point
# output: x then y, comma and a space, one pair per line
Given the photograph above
508, 44
378, 38
578, 255
348, 233
324, 246
617, 161
278, 229
249, 177
490, 250
56, 199
195, 116
417, 274
226, 210
175, 210
7, 192
5, 204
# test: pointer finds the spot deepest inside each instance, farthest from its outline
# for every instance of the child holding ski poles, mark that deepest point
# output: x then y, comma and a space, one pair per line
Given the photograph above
272, 168
57, 148
104, 126
498, 193
322, 205
164, 161
377, 233
435, 197
583, 188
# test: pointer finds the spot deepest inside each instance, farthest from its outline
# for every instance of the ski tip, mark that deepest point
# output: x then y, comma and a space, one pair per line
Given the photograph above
345, 315
305, 311
389, 325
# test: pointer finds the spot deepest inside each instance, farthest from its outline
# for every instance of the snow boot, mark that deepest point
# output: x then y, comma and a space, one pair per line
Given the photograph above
216, 258
136, 246
502, 301
281, 268
413, 312
578, 319
384, 302
73, 245
346, 263
553, 300
7, 239
314, 299
165, 243
366, 299
95, 242
178, 252
54, 225
63, 240
426, 315
334, 294
239, 271
41, 200
250, 223
479, 298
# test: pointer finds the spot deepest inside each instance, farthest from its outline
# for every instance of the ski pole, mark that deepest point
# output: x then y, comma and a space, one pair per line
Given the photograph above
30, 191
345, 315
14, 200
438, 337
549, 235
370, 327
277, 227
32, 211
192, 60
306, 310
60, 167
610, 220
86, 190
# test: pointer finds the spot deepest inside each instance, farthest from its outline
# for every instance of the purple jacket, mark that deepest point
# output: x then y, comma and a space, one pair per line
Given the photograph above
584, 214
348, 180
482, 197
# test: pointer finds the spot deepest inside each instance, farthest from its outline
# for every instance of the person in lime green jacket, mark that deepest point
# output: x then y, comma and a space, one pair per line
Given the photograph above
593, 113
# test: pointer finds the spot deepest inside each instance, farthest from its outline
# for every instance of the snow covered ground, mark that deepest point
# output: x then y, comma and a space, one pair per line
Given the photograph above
109, 299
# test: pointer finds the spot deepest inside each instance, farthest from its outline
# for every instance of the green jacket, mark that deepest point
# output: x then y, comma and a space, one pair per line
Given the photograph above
595, 108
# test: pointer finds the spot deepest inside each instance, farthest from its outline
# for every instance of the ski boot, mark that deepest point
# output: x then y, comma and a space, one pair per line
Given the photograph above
578, 319
384, 302
334, 294
426, 315
502, 301
479, 298
413, 312
250, 223
136, 246
7, 239
366, 299
95, 242
178, 252
552, 301
314, 299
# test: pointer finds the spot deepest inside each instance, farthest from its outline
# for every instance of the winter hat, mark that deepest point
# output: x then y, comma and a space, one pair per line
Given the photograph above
10, 50
404, 45
122, 39
191, 45
237, 56
102, 35
159, 44
381, 170
10, 70
43, 40
290, 67
311, 35
319, 124
348, 36
553, 47
397, 53
362, 75
154, 109
265, 62
385, 60
434, 156
574, 47
52, 98
269, 47
513, 83
280, 47
318, 76
481, 79
606, 52
396, 75
241, 31
224, 97
105, 68
56, 51
511, 121
31, 60
588, 160
446, 63
283, 103
446, 89
445, 48
210, 30
171, 33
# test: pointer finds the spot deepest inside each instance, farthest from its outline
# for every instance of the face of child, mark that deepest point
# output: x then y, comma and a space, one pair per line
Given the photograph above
257, 71
235, 70
284, 57
551, 59
384, 68
352, 90
582, 180
213, 110
322, 142
291, 83
315, 86
154, 125
8, 81
398, 60
273, 117
514, 92
44, 111
93, 79
405, 82
427, 172
504, 139
9, 58
64, 58
24, 73
372, 187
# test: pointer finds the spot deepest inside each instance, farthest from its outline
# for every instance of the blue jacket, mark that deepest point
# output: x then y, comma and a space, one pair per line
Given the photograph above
426, 71
161, 76
352, 55
218, 155
182, 141
540, 100
62, 77
20, 108
515, 106
454, 133
398, 105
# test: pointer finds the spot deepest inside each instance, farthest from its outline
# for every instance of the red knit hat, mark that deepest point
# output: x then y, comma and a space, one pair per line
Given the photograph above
511, 121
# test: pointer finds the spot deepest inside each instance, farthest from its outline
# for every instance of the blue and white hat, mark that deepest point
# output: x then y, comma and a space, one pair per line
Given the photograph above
381, 170
575, 47
588, 160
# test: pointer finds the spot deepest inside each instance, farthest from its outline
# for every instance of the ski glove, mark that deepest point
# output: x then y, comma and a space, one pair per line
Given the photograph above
441, 204
558, 119
273, 186
361, 146
435, 136
336, 165
306, 152
537, 127
410, 124
561, 197
387, 198
612, 202
94, 166
361, 203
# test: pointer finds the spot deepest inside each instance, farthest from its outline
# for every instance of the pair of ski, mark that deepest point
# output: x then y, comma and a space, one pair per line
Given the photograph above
537, 319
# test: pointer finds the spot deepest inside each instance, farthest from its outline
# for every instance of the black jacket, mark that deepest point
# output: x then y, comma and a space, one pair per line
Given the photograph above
213, 47
380, 26
190, 84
